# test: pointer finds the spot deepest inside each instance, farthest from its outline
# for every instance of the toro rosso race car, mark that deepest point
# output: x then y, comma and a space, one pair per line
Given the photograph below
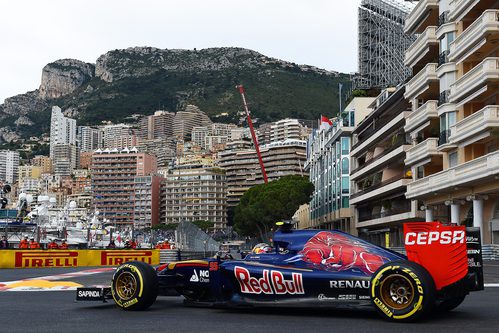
318, 268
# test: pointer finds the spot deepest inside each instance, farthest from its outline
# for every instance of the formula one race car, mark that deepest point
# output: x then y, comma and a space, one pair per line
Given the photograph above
318, 267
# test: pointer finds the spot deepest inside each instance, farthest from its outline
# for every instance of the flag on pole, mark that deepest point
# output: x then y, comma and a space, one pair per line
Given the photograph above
324, 123
325, 119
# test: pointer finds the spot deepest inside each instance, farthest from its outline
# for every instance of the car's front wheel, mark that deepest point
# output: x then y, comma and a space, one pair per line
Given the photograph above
134, 286
402, 291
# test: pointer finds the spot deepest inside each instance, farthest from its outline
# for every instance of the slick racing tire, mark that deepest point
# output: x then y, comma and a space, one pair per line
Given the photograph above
134, 286
451, 304
402, 291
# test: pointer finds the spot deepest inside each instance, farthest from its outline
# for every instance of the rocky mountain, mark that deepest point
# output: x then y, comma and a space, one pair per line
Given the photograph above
141, 80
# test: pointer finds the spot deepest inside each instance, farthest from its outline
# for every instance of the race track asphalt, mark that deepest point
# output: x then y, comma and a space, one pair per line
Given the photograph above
56, 311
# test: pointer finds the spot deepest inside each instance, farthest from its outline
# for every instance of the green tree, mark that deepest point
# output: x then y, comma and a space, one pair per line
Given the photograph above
263, 205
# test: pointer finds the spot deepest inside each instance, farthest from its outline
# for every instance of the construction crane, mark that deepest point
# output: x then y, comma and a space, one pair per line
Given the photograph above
252, 130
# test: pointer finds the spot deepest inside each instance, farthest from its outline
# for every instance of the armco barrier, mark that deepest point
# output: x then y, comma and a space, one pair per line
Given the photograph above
490, 251
74, 258
176, 255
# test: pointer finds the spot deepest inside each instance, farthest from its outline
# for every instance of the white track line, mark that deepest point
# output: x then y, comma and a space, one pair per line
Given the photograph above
491, 285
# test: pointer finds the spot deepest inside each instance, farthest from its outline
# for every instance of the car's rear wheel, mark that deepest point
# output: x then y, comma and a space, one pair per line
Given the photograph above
402, 291
134, 286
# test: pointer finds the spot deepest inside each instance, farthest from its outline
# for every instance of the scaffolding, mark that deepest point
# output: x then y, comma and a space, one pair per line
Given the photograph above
382, 44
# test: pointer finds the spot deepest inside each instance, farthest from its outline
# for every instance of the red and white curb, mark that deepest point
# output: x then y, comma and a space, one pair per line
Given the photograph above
50, 282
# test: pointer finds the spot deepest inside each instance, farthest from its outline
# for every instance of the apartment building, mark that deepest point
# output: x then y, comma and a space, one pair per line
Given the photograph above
455, 112
113, 181
157, 126
89, 138
195, 192
9, 166
118, 136
44, 162
62, 129
188, 118
328, 163
163, 149
198, 135
286, 129
65, 159
379, 175
147, 201
243, 171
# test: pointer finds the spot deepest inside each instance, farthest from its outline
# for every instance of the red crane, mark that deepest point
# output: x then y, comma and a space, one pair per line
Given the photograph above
252, 130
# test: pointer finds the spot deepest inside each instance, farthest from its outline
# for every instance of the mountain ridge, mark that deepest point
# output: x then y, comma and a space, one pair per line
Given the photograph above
140, 80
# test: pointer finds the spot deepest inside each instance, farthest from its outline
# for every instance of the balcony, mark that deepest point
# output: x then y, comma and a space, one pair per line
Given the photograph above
422, 81
474, 83
459, 8
479, 170
479, 39
422, 151
421, 51
476, 126
377, 133
424, 14
423, 114
380, 160
388, 186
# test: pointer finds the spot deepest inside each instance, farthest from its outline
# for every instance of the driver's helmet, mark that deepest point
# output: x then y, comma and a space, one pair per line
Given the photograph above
262, 248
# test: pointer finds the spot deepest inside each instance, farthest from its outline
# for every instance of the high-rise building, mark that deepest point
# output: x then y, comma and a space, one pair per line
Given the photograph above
219, 129
163, 149
65, 159
9, 165
454, 119
285, 129
186, 119
113, 181
118, 136
382, 43
147, 201
89, 138
240, 162
157, 126
264, 133
62, 130
378, 173
198, 135
194, 193
328, 163
215, 143
44, 162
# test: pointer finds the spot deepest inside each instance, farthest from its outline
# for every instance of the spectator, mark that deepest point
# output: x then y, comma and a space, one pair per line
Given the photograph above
33, 244
111, 244
4, 243
64, 245
133, 244
166, 246
23, 244
53, 245
159, 245
128, 244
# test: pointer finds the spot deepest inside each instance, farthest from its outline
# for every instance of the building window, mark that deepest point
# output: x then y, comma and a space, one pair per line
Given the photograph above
345, 185
344, 166
345, 145
452, 159
345, 203
419, 172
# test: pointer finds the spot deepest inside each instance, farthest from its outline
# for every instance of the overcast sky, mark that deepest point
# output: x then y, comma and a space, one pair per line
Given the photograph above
33, 33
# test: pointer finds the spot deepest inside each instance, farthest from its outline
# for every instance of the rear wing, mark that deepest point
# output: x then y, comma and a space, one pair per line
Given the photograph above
449, 253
